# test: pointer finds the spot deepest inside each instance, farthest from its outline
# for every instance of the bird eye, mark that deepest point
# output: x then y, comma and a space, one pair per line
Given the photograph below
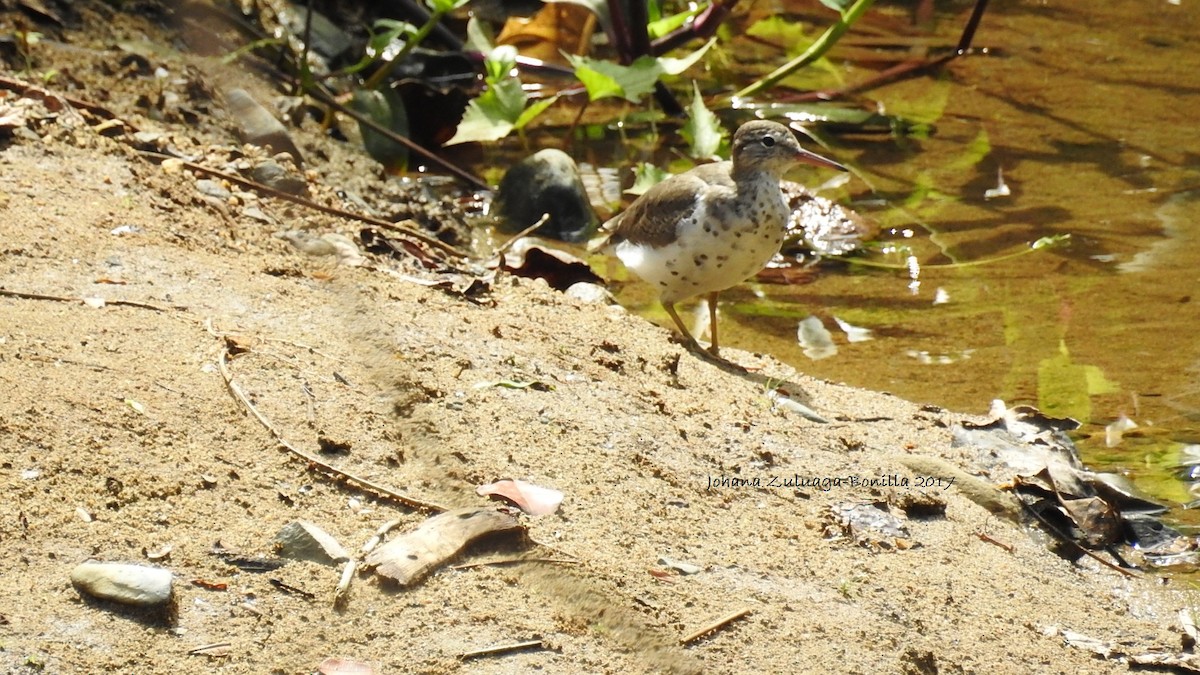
768, 141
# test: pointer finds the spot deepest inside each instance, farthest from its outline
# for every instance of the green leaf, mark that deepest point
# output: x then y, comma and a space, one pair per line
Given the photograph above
384, 40
386, 109
493, 114
702, 131
676, 66
510, 96
481, 122
480, 36
1050, 240
838, 6
500, 63
605, 79
665, 25
445, 6
598, 84
639, 78
533, 110
500, 109
646, 176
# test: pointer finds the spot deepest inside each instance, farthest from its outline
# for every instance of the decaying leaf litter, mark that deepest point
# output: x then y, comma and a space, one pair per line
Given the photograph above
659, 455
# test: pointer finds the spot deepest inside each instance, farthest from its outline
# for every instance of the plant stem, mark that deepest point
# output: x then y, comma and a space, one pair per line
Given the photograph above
815, 51
380, 75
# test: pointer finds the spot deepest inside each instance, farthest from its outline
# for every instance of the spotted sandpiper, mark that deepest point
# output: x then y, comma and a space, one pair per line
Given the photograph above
711, 228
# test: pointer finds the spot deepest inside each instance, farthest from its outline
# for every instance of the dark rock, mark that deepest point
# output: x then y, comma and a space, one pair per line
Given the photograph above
547, 182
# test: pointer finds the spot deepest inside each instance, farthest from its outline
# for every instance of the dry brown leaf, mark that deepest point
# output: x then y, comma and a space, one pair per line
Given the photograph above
554, 29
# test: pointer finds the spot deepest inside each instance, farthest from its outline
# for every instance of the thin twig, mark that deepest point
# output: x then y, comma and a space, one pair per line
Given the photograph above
60, 298
203, 650
325, 97
814, 51
715, 625
379, 535
513, 561
499, 254
501, 649
905, 69
1007, 547
341, 593
314, 461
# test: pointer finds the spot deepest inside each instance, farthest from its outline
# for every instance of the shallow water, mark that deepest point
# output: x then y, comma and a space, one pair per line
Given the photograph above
1089, 110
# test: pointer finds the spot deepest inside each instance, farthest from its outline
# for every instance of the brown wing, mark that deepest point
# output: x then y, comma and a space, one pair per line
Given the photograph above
652, 218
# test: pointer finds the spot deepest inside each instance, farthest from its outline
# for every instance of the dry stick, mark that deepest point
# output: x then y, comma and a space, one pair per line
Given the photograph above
59, 298
223, 366
204, 649
341, 593
719, 623
502, 649
1007, 547
327, 98
379, 535
512, 561
383, 224
895, 73
499, 254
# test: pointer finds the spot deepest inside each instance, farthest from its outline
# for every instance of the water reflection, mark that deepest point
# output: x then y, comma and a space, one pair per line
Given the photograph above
1089, 117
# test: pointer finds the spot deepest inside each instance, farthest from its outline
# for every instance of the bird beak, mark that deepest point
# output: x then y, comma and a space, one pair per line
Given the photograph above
817, 160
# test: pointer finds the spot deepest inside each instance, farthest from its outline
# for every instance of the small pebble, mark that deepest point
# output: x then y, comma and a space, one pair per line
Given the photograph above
589, 292
213, 189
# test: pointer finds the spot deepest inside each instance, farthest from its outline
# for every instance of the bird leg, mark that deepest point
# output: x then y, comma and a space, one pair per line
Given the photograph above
712, 316
679, 324
712, 322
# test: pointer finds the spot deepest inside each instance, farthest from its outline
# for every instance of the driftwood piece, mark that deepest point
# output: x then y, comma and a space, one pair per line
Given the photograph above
411, 556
